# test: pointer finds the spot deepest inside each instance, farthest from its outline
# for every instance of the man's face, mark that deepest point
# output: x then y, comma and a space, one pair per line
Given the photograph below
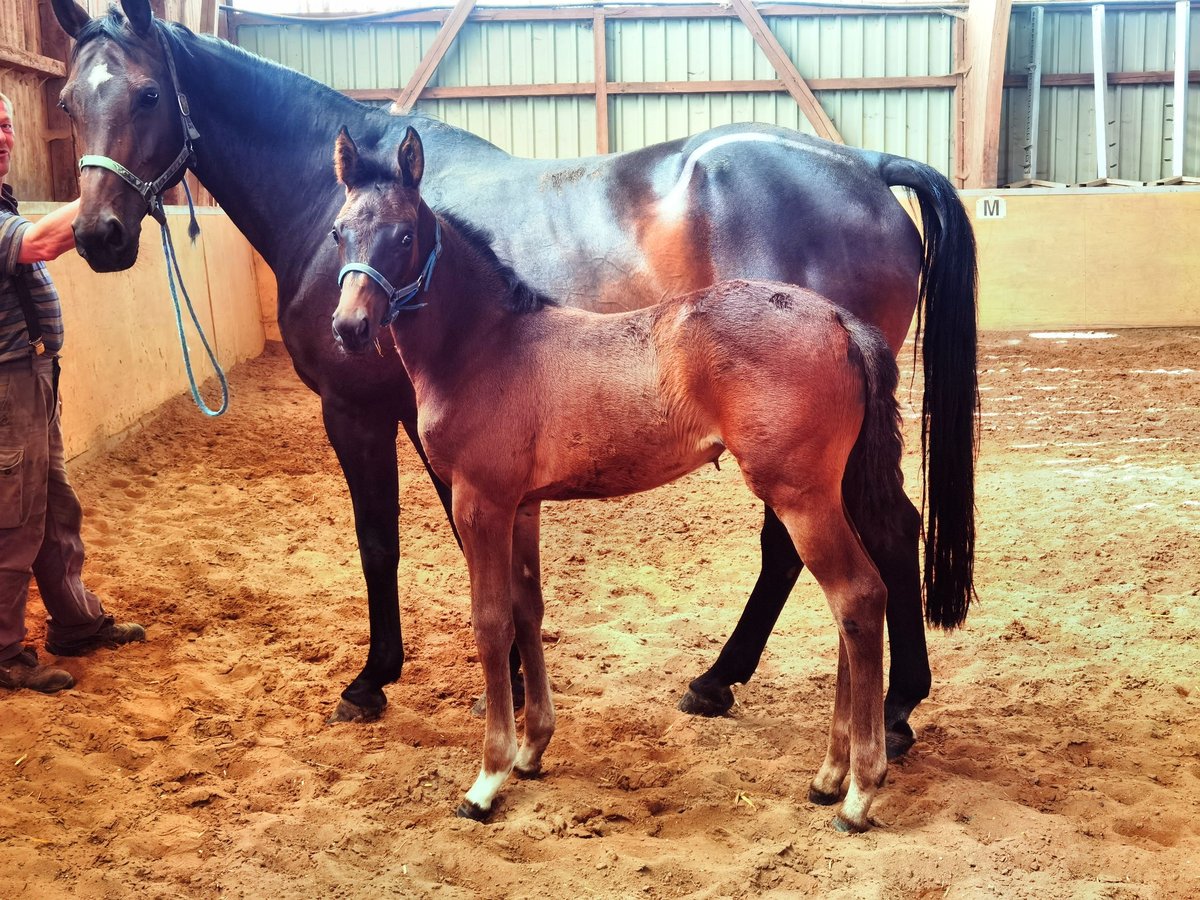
6, 141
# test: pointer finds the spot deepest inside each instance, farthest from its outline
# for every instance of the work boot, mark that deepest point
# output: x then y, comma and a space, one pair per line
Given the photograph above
110, 636
23, 671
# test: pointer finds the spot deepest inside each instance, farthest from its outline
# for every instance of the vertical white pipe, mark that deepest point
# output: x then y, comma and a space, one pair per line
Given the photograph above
1100, 81
1183, 15
1034, 87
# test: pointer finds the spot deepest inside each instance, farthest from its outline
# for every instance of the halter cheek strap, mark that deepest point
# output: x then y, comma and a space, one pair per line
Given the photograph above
400, 299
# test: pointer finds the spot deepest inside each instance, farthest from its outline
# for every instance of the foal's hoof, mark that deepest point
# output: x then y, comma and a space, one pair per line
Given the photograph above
705, 701
845, 826
528, 774
900, 738
469, 810
352, 712
823, 799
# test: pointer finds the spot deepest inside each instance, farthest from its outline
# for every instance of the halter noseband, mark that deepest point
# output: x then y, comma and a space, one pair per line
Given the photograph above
400, 298
151, 191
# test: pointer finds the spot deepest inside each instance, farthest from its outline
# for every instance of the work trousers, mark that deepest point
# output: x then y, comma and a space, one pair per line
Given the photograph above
40, 515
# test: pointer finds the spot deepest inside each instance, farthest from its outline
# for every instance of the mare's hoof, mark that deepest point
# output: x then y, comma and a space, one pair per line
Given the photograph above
469, 810
900, 739
709, 702
352, 712
845, 826
528, 774
823, 799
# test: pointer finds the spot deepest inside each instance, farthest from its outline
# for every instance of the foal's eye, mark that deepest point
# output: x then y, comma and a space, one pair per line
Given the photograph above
62, 104
149, 98
406, 240
337, 238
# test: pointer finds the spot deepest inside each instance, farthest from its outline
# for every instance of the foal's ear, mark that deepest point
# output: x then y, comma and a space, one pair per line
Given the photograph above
139, 14
410, 159
345, 158
71, 16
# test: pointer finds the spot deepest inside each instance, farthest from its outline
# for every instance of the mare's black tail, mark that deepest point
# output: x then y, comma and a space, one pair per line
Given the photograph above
950, 407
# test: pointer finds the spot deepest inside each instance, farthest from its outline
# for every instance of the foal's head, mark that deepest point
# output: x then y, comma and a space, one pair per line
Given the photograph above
386, 236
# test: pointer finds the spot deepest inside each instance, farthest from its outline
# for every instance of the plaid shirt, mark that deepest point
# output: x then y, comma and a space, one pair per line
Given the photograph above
14, 337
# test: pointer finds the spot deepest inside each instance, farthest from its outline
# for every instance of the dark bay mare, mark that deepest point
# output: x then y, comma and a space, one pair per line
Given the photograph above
520, 400
608, 233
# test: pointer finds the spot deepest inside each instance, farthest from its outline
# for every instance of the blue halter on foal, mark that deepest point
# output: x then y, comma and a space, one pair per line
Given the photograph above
400, 298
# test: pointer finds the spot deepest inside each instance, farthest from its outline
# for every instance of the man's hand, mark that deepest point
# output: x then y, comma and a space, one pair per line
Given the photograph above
51, 236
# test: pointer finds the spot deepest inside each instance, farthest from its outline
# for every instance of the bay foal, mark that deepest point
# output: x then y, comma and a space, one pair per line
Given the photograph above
520, 400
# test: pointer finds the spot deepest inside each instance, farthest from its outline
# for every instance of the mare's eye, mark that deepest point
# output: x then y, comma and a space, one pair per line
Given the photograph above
62, 104
149, 98
337, 238
406, 240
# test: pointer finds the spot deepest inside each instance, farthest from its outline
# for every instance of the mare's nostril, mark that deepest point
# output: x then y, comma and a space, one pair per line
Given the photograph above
114, 232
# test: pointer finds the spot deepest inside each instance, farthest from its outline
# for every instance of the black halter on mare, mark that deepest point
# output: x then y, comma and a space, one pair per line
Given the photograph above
400, 298
152, 191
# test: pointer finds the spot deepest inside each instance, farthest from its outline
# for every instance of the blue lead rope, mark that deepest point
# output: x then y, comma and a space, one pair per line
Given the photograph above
173, 264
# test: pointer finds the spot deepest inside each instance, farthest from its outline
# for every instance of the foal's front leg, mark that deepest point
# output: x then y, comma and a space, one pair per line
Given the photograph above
528, 610
486, 528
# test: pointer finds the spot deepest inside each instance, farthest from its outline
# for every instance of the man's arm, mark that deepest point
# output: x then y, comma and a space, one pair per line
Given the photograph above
51, 236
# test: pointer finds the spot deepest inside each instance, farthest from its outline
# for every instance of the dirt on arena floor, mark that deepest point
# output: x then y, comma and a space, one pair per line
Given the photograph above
1059, 755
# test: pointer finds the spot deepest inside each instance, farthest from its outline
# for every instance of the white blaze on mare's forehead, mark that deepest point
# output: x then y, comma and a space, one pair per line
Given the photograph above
674, 204
98, 75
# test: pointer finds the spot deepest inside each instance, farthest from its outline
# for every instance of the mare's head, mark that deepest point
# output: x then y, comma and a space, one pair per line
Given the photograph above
121, 100
386, 238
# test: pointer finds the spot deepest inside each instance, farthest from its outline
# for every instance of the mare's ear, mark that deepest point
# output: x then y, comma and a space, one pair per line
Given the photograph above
139, 14
410, 159
345, 158
71, 16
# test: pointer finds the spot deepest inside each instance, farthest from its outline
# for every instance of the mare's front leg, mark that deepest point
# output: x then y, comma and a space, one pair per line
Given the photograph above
365, 444
528, 612
486, 529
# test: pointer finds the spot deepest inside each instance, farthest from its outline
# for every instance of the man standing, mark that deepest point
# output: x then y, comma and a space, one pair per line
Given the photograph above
40, 515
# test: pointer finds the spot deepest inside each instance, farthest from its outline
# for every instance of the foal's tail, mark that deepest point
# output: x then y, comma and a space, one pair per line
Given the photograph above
950, 407
873, 484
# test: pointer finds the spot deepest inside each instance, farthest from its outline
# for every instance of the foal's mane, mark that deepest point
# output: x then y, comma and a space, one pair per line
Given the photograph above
518, 296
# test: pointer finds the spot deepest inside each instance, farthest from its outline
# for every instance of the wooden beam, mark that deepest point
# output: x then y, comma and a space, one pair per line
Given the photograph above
958, 49
584, 13
208, 17
1086, 79
34, 63
796, 86
429, 62
983, 89
587, 88
600, 53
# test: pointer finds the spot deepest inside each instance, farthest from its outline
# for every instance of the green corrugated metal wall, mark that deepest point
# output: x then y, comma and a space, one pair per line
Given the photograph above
912, 122
1139, 116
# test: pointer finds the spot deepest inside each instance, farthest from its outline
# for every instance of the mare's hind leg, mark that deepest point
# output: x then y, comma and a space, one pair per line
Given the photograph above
528, 611
899, 567
857, 597
896, 556
709, 694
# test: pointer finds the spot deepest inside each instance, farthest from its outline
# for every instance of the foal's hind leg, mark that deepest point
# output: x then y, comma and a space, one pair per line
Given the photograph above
528, 610
831, 547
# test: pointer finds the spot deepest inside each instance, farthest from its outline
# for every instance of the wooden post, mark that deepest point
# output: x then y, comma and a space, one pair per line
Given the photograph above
600, 43
429, 63
792, 80
986, 43
60, 142
1100, 86
1183, 10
